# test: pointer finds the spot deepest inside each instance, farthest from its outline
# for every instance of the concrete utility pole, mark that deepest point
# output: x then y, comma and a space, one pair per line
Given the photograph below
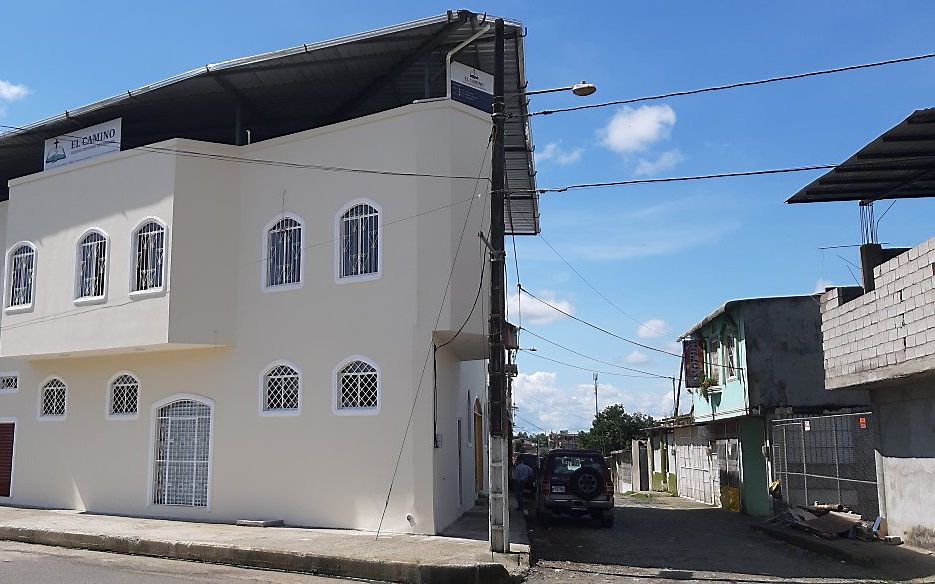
595, 396
499, 440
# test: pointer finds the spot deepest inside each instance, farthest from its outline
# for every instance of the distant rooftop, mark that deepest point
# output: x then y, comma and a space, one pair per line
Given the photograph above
304, 87
739, 302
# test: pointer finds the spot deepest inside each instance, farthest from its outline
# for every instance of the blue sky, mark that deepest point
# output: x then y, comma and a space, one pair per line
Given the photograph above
665, 253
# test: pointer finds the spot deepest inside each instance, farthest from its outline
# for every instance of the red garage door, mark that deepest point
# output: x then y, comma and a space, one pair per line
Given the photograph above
6, 458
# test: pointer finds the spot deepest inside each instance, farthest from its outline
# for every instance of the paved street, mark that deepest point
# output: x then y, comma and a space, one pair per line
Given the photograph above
670, 540
36, 564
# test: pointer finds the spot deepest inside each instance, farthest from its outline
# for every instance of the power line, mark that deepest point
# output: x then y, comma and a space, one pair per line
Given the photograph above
612, 334
538, 427
593, 287
734, 85
270, 162
591, 369
570, 350
566, 410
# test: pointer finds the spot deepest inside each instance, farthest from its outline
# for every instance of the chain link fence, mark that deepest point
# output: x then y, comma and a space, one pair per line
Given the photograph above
826, 459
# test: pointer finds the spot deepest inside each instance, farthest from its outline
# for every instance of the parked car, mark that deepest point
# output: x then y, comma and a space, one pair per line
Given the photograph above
575, 482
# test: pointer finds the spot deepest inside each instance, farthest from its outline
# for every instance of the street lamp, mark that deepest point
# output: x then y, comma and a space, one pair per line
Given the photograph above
581, 89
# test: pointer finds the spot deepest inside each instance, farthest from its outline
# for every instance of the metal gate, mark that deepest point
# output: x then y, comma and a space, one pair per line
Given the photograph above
826, 459
693, 458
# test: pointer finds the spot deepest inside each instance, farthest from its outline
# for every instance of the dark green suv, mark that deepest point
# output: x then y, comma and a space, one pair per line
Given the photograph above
575, 482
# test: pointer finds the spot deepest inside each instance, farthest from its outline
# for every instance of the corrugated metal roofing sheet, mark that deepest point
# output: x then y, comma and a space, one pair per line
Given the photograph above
305, 87
900, 164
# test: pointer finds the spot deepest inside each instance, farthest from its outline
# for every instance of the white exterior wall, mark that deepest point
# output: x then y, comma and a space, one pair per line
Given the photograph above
316, 468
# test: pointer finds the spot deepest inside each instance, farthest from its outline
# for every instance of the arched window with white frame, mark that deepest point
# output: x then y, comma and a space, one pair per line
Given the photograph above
358, 387
53, 399
281, 389
149, 251
359, 242
124, 398
283, 253
21, 275
91, 276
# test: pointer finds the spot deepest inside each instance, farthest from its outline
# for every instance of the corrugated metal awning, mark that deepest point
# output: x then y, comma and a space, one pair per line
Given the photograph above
900, 164
309, 86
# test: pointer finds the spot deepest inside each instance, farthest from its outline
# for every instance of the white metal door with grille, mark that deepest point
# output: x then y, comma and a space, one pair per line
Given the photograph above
182, 450
693, 456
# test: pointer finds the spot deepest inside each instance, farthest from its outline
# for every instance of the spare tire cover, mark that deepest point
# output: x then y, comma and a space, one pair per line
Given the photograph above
586, 483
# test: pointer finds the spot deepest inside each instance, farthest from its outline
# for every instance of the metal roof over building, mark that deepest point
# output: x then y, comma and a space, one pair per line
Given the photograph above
309, 86
900, 164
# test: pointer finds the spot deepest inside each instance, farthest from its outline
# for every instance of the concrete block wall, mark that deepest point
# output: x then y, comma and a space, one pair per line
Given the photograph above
892, 325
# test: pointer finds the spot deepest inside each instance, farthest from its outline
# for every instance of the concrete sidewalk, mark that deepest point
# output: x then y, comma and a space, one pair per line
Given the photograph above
415, 559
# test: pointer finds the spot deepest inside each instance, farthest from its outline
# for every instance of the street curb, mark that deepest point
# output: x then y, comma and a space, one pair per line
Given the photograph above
813, 544
362, 568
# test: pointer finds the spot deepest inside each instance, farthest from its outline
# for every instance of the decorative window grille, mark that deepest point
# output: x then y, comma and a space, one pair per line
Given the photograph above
22, 275
358, 386
284, 252
9, 383
360, 241
54, 394
150, 243
124, 395
282, 389
181, 461
92, 262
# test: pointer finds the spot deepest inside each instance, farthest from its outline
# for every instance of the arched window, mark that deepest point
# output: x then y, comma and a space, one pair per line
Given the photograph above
282, 388
53, 400
181, 462
359, 235
358, 388
124, 395
149, 249
21, 277
283, 253
92, 266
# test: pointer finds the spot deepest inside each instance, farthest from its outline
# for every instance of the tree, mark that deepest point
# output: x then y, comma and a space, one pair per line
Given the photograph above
614, 428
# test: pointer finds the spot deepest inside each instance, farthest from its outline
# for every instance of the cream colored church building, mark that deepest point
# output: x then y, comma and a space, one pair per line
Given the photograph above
237, 293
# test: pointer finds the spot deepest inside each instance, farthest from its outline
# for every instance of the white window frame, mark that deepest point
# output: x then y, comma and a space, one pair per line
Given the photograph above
101, 298
338, 243
110, 397
264, 254
336, 388
261, 390
49, 418
134, 250
10, 374
10, 420
152, 450
8, 280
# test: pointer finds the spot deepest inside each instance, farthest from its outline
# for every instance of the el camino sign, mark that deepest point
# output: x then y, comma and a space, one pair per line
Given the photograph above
82, 144
472, 87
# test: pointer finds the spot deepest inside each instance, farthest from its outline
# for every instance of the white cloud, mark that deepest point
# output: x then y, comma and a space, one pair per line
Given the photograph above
11, 91
821, 284
637, 358
665, 161
554, 152
635, 129
535, 312
653, 328
544, 403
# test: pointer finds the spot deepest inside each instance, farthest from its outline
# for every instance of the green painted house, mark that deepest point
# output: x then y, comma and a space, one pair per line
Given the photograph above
760, 359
